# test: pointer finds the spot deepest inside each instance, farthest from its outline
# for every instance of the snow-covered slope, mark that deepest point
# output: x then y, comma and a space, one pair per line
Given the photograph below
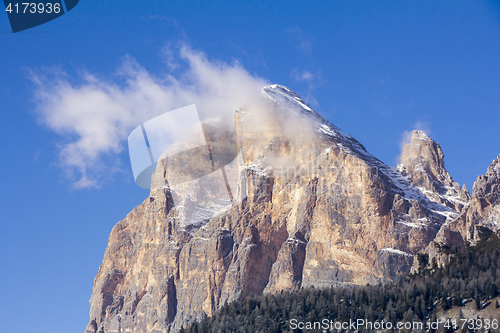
400, 181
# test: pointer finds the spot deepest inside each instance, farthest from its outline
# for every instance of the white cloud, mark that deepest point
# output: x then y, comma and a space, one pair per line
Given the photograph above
303, 42
312, 80
169, 57
310, 99
405, 139
95, 115
304, 76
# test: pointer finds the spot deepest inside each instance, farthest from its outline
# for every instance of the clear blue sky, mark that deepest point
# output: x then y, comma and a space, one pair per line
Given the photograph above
373, 68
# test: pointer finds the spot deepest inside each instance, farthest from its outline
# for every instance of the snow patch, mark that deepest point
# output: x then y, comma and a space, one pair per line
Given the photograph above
396, 251
289, 100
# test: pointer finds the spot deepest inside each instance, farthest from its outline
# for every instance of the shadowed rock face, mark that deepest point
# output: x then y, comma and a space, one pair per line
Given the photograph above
482, 211
315, 209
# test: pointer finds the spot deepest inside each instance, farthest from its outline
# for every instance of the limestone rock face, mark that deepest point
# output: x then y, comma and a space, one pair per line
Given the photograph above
482, 211
422, 161
310, 207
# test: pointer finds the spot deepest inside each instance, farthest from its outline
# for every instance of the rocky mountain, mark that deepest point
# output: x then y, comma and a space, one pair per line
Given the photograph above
422, 161
305, 205
482, 211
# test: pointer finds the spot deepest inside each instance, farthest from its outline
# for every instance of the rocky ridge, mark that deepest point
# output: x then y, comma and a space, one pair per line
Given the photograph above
422, 161
313, 208
482, 211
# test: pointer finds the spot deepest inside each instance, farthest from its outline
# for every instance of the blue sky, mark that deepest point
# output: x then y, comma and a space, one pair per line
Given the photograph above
373, 68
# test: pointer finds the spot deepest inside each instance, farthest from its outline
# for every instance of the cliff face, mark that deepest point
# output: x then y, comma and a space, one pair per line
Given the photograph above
422, 161
308, 205
482, 211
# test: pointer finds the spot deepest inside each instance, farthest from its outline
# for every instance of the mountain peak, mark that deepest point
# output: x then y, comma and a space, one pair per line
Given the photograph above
420, 135
292, 210
288, 99
424, 153
283, 89
487, 184
422, 161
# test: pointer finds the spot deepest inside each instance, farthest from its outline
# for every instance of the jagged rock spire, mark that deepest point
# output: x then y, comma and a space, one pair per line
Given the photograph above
483, 211
422, 161
488, 185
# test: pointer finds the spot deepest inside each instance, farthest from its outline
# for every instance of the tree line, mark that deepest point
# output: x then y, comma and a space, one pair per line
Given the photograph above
473, 275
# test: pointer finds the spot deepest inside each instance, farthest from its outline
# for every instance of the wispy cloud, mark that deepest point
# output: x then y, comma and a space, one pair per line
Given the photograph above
406, 136
95, 115
301, 40
304, 76
304, 43
169, 57
313, 80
